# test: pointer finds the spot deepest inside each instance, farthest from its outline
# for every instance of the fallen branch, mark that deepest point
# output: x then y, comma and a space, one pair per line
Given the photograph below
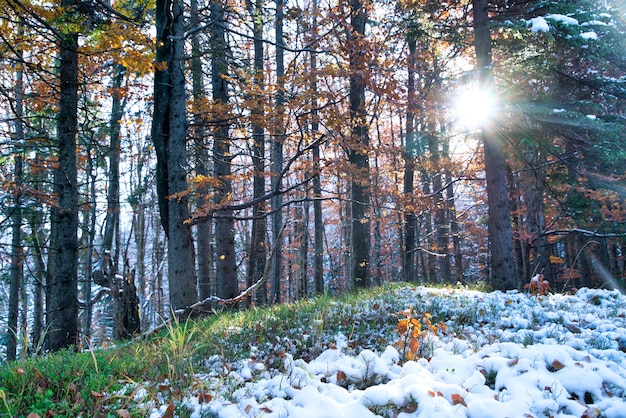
207, 305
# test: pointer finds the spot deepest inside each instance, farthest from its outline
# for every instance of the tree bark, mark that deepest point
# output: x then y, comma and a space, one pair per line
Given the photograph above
409, 250
204, 230
318, 222
62, 290
181, 255
112, 219
358, 149
277, 158
17, 250
503, 271
258, 246
225, 262
169, 134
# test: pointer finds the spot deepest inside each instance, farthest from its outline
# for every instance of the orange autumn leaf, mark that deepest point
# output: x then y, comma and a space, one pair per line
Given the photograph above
403, 326
458, 399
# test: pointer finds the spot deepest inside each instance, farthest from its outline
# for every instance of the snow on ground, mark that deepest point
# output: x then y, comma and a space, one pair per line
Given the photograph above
504, 355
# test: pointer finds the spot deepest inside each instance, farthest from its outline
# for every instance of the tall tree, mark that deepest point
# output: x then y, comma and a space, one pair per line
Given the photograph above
62, 289
277, 156
503, 269
258, 246
318, 228
169, 134
204, 229
17, 251
225, 262
409, 258
181, 263
358, 147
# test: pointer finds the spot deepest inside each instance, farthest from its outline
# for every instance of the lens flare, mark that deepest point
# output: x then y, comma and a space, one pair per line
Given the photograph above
474, 107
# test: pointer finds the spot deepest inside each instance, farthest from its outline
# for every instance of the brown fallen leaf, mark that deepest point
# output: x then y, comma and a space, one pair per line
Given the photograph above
592, 412
96, 395
458, 399
204, 398
341, 377
557, 365
123, 413
410, 407
169, 412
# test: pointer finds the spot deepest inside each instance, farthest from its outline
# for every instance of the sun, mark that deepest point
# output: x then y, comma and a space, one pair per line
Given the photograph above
473, 107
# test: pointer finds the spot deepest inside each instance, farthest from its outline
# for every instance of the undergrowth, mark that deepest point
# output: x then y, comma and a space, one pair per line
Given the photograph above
134, 377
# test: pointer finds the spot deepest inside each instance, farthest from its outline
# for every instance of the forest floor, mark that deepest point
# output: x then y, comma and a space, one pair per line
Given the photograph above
395, 351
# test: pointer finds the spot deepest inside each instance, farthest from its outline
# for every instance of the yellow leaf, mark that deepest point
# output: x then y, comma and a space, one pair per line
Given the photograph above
403, 326
556, 260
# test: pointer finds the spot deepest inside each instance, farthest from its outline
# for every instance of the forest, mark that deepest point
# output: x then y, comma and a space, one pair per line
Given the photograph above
160, 157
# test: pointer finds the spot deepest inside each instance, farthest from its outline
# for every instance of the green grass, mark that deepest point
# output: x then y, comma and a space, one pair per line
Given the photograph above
101, 382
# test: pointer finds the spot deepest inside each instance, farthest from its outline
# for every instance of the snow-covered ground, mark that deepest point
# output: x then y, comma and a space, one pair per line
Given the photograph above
504, 355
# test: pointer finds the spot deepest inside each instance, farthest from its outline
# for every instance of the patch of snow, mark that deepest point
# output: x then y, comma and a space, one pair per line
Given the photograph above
589, 35
505, 354
539, 24
594, 23
566, 20
592, 117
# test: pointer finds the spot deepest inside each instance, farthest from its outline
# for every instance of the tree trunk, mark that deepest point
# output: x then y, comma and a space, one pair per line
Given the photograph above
455, 230
181, 262
226, 268
409, 250
277, 157
17, 251
204, 230
169, 134
90, 228
38, 288
429, 267
258, 247
62, 290
358, 150
503, 272
318, 222
442, 228
111, 221
160, 119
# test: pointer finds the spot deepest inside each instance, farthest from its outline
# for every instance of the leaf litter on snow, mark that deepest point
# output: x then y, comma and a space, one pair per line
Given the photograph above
502, 355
